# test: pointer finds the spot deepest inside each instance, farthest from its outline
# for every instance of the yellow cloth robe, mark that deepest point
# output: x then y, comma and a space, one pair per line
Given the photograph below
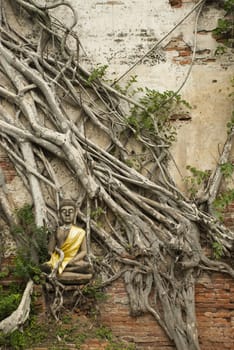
70, 248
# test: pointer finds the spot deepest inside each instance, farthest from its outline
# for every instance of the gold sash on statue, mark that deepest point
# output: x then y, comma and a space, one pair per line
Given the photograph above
69, 248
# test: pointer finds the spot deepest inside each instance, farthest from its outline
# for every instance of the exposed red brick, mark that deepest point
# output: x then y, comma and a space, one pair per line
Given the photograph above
188, 61
8, 168
184, 53
229, 216
207, 60
94, 344
177, 44
214, 310
175, 3
39, 301
214, 298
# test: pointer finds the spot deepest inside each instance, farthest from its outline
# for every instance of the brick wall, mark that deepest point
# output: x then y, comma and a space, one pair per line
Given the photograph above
143, 330
179, 3
214, 298
215, 316
175, 3
215, 312
214, 309
182, 53
7, 168
229, 216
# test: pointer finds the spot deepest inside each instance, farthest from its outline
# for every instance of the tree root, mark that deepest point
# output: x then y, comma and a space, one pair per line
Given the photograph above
140, 227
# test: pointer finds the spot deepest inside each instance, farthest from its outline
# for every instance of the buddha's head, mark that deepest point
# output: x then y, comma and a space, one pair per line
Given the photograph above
67, 211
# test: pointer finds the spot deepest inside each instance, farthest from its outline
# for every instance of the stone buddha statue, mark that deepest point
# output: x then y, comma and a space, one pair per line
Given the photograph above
71, 240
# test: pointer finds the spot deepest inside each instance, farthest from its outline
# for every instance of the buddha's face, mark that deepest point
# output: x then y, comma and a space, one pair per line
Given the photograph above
67, 214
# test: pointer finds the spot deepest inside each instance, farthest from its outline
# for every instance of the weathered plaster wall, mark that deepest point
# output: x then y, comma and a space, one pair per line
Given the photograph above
120, 32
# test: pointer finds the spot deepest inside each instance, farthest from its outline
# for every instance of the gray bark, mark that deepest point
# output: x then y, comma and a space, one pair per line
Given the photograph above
21, 314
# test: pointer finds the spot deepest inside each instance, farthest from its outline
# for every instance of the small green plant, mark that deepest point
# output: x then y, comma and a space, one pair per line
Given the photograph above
104, 333
67, 319
229, 6
126, 89
8, 303
223, 200
33, 249
64, 333
15, 340
220, 50
97, 73
222, 28
94, 291
25, 215
25, 268
198, 178
225, 26
134, 162
230, 124
4, 273
154, 119
120, 346
217, 250
80, 339
129, 163
34, 238
227, 169
95, 214
31, 335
